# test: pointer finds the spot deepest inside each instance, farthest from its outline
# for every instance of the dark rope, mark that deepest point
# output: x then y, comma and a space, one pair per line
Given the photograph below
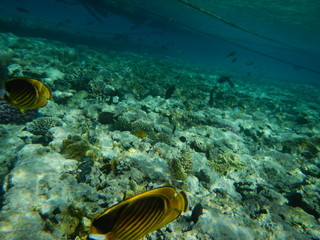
237, 26
225, 40
92, 12
222, 38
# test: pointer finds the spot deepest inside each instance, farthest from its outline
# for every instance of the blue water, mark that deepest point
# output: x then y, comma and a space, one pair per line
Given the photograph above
184, 36
242, 129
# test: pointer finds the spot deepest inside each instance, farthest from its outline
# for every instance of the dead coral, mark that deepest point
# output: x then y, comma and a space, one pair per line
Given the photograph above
75, 147
225, 163
305, 147
142, 129
181, 168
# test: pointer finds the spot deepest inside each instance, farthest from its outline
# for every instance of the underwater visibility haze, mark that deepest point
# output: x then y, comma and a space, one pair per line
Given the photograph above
171, 119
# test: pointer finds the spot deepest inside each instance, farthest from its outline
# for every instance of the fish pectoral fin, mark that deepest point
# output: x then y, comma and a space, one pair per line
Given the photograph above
23, 111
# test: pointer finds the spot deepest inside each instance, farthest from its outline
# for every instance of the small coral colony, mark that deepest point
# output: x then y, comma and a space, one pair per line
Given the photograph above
130, 219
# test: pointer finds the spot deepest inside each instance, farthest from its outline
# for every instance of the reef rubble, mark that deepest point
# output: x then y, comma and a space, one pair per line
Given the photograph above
250, 157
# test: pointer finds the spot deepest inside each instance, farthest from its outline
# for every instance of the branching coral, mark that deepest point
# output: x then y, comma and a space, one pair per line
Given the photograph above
40, 126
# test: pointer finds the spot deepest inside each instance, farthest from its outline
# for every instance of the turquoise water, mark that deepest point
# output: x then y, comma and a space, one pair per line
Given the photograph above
217, 99
172, 28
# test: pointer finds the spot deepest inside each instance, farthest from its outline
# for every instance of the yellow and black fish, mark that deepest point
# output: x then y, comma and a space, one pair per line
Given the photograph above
26, 93
135, 217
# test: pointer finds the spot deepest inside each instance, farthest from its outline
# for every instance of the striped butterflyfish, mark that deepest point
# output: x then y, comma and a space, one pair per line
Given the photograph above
26, 93
135, 217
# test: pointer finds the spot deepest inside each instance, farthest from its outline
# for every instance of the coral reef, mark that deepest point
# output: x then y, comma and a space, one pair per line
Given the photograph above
121, 123
75, 147
6, 57
41, 125
10, 114
140, 127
